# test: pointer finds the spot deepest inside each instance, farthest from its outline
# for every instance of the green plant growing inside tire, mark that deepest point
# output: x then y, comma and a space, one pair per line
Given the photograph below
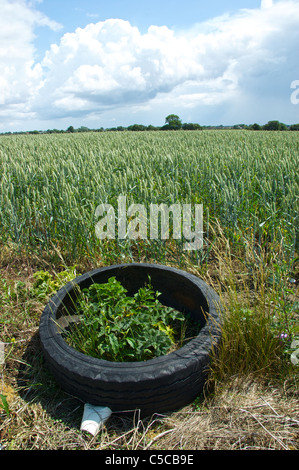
116, 327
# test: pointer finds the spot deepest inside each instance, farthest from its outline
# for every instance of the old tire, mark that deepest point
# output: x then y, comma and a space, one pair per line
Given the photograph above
155, 386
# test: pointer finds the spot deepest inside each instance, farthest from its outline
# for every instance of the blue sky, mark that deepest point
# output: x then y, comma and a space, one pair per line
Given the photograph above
172, 13
105, 64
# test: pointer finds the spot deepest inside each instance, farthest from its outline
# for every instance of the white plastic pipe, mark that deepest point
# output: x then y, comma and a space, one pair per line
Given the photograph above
2, 350
94, 418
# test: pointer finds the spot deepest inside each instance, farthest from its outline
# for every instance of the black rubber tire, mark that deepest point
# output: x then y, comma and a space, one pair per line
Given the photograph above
162, 384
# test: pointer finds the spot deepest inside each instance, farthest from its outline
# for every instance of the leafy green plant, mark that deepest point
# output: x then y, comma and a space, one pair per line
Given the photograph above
117, 327
45, 284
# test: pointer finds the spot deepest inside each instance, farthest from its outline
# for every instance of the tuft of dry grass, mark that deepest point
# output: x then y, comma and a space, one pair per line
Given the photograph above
244, 415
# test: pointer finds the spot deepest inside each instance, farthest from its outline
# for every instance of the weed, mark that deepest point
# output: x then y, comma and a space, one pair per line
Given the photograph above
117, 327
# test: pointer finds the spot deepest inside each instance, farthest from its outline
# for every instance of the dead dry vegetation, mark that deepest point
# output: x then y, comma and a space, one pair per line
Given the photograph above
244, 415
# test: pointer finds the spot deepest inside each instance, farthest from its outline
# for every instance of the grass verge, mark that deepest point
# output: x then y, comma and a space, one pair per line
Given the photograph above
251, 398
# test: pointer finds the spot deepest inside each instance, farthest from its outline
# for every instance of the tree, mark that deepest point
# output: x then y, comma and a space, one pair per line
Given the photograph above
70, 129
275, 126
173, 122
81, 129
255, 127
294, 127
190, 126
137, 127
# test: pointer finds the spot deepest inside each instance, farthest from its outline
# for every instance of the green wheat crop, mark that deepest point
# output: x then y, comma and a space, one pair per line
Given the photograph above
50, 185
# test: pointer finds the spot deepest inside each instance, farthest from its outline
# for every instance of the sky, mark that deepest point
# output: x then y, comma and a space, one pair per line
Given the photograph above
121, 62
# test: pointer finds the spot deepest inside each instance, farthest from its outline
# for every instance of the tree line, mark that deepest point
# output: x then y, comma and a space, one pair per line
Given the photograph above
172, 122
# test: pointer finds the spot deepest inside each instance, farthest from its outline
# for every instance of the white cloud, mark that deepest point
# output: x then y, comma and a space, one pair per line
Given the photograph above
112, 63
20, 76
266, 4
230, 61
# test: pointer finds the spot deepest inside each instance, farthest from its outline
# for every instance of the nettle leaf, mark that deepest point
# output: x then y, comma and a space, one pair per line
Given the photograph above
167, 330
114, 343
131, 342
